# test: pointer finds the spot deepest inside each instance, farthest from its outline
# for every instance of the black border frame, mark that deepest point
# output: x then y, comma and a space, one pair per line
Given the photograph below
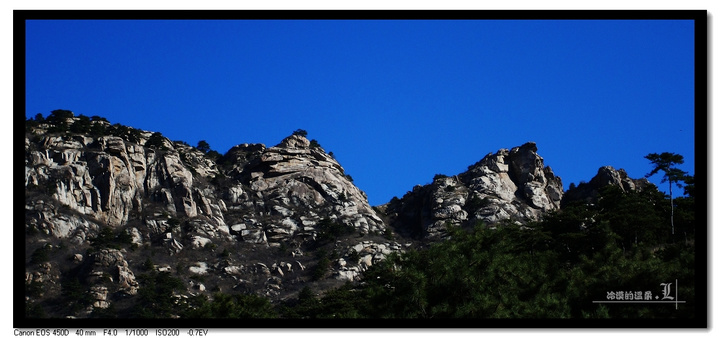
699, 17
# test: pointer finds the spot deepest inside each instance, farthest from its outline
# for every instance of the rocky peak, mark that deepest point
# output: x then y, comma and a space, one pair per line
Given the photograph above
121, 201
508, 184
159, 194
518, 173
282, 191
294, 176
294, 141
607, 175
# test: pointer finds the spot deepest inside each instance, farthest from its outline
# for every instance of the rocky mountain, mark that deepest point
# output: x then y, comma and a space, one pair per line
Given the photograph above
587, 192
108, 205
108, 197
274, 195
507, 185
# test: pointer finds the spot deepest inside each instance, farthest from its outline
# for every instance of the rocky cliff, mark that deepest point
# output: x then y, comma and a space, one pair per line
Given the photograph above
587, 192
507, 185
246, 218
273, 195
108, 205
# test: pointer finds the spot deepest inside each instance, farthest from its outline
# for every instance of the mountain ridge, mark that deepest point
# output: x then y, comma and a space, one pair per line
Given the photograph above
260, 220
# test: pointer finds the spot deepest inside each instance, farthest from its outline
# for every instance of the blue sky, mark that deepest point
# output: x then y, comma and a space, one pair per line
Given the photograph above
396, 101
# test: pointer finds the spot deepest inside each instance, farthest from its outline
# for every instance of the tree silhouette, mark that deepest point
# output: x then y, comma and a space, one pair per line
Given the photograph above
301, 132
203, 146
666, 163
156, 141
689, 185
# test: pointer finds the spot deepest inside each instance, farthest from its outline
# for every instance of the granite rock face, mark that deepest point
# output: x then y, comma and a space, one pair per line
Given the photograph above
606, 176
281, 192
110, 264
507, 185
516, 182
112, 205
289, 188
116, 199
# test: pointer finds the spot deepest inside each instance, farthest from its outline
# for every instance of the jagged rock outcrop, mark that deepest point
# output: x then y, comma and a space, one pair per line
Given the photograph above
281, 192
109, 265
107, 179
156, 196
607, 175
360, 257
49, 218
509, 184
42, 273
253, 220
514, 184
99, 295
292, 186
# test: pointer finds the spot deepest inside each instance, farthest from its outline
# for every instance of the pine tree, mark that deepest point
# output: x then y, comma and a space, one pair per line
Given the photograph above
203, 146
666, 163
